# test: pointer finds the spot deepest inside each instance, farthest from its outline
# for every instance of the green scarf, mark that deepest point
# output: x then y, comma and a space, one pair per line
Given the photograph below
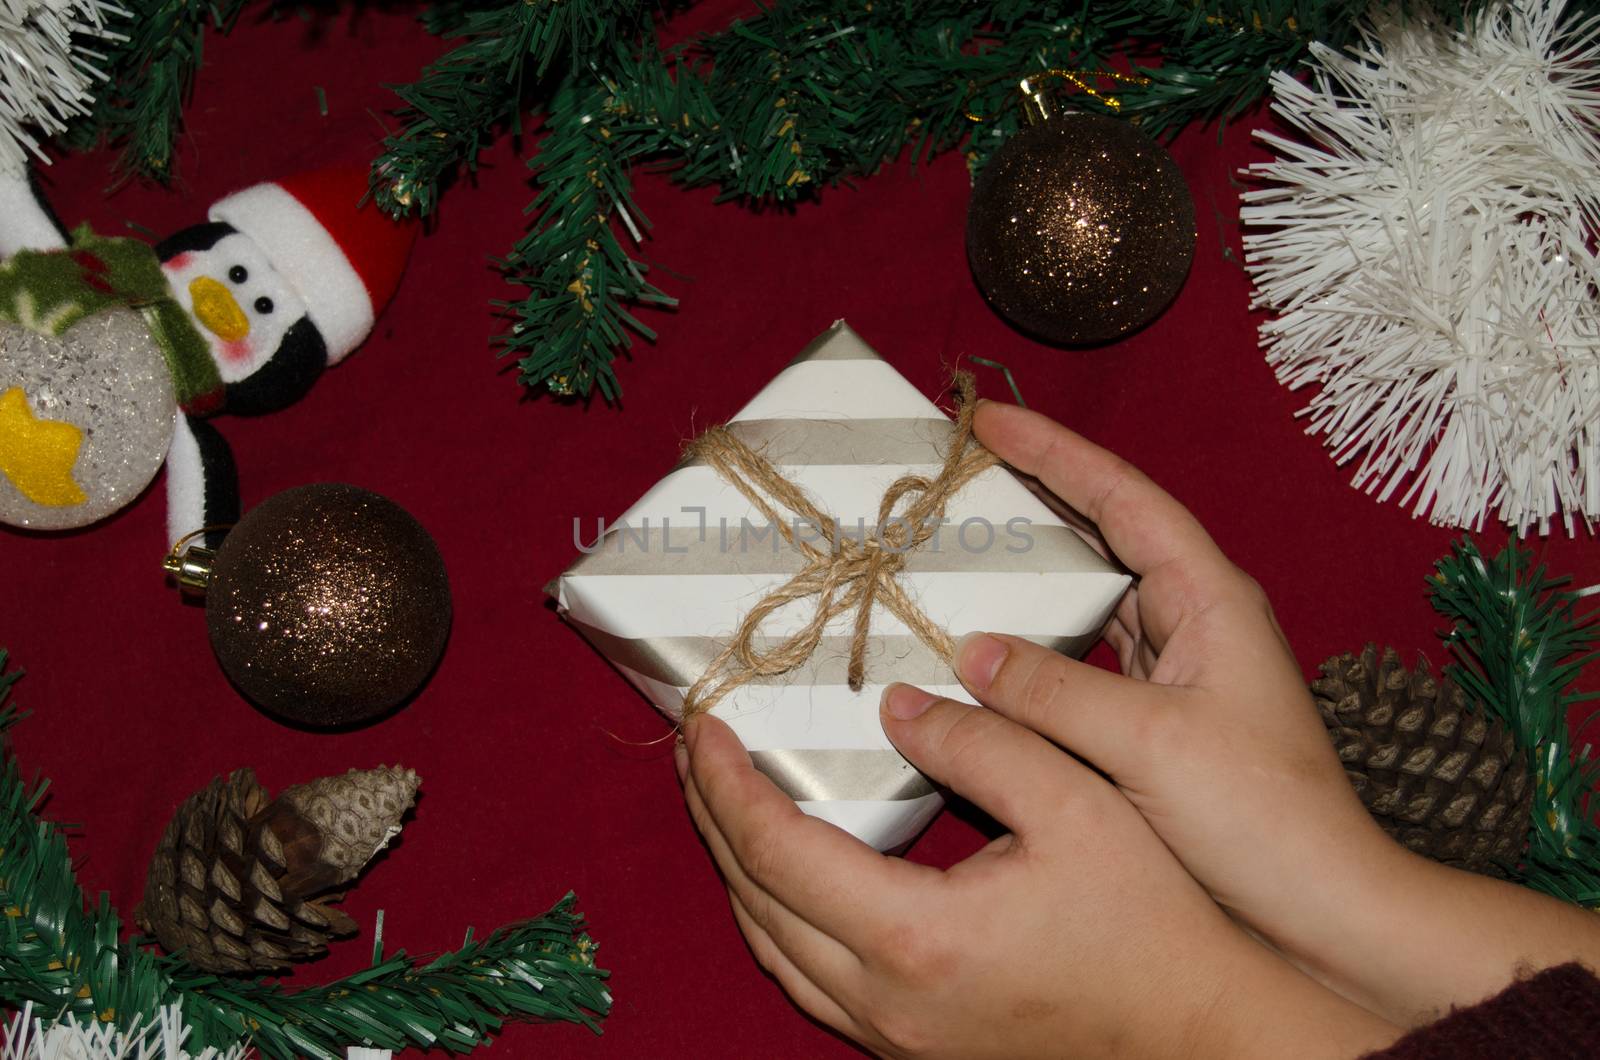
48, 291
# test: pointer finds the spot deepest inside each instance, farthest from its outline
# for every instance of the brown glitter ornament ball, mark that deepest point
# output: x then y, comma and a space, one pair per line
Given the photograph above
1080, 230
328, 605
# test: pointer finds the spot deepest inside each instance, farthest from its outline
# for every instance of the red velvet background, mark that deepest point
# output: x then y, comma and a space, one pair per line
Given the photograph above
525, 794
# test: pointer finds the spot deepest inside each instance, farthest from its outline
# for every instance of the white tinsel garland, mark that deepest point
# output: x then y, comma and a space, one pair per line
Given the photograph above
47, 69
27, 1037
1428, 252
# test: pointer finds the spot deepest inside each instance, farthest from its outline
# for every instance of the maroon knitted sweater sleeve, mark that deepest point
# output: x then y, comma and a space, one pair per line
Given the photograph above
1553, 1015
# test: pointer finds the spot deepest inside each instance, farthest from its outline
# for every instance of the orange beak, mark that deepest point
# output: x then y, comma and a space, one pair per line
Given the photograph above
215, 307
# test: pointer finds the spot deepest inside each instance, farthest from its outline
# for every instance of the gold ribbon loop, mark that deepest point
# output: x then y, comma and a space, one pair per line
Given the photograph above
846, 575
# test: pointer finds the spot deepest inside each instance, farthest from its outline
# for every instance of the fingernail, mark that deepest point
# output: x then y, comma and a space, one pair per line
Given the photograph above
978, 659
680, 759
907, 701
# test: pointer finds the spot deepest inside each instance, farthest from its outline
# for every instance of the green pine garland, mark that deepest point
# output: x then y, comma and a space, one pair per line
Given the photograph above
66, 957
1519, 640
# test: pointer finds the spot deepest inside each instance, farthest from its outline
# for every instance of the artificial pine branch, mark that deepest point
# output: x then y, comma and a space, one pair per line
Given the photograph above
580, 277
1421, 239
472, 92
8, 712
1519, 640
51, 57
32, 1036
152, 71
67, 959
539, 969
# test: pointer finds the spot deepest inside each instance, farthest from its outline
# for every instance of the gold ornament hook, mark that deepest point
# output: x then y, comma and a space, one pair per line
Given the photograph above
191, 567
1036, 100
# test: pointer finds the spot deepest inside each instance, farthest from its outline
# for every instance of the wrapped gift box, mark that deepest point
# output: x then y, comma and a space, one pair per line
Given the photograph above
660, 592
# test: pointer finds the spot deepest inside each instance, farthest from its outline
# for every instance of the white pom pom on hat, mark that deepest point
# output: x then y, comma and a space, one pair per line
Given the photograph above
343, 258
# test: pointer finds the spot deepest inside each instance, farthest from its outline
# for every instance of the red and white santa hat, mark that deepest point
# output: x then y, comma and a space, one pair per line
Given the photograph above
343, 259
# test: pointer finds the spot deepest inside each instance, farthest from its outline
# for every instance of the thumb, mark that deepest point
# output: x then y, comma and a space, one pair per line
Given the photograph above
1016, 776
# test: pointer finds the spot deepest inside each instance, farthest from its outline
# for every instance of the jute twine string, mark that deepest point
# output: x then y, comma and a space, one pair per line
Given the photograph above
841, 573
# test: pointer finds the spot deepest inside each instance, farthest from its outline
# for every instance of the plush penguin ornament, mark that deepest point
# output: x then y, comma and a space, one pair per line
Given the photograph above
115, 355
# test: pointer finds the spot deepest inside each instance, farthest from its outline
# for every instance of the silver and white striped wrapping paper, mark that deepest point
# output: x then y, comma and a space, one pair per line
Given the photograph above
665, 587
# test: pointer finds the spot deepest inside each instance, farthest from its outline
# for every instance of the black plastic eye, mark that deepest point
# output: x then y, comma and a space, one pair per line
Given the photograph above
238, 274
263, 305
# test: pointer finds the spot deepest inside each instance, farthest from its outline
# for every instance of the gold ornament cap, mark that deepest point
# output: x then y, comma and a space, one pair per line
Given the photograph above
1035, 103
190, 565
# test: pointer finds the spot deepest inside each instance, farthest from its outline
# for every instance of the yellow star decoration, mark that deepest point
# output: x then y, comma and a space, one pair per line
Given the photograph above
37, 455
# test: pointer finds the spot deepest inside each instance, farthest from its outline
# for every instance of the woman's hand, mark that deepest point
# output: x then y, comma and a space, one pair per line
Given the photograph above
1214, 737
1077, 934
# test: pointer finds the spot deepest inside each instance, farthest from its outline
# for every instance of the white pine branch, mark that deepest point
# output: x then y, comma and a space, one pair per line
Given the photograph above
29, 1037
1426, 248
47, 69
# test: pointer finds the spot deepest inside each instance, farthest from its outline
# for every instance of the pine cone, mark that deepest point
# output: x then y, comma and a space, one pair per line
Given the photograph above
238, 880
1437, 772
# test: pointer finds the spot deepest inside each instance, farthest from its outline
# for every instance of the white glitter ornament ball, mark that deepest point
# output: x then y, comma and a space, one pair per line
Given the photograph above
85, 419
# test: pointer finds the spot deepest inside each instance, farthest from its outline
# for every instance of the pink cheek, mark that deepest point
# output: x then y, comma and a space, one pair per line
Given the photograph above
238, 352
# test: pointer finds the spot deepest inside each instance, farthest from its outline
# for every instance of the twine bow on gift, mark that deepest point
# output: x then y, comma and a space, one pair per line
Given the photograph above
842, 573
